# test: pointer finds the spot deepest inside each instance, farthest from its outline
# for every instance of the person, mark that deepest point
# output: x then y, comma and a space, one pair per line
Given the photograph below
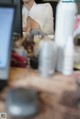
37, 15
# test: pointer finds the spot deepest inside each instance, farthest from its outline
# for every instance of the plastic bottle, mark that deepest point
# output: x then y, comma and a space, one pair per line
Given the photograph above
65, 19
47, 58
68, 57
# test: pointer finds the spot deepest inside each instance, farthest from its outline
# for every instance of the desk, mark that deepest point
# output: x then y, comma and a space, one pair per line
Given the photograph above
60, 84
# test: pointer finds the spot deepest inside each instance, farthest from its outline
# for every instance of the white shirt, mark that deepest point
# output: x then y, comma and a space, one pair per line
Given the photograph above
42, 14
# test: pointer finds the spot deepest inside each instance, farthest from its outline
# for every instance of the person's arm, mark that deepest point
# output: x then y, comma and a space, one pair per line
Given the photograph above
56, 85
49, 20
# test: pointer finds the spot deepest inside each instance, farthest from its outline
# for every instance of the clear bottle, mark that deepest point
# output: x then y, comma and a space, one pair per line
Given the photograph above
68, 57
47, 58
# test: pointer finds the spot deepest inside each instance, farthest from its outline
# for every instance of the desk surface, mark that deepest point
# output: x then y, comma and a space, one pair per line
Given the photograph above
51, 99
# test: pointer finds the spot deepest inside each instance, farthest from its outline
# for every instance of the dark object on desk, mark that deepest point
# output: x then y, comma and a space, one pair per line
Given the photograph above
34, 62
75, 69
18, 61
77, 40
22, 102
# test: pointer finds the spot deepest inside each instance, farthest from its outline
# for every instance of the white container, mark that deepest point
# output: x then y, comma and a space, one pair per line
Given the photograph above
65, 19
47, 58
68, 57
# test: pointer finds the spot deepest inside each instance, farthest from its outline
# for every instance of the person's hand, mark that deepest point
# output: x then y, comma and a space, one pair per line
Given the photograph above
57, 85
21, 82
37, 33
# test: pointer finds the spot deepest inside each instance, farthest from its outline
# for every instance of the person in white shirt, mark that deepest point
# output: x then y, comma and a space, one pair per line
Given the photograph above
37, 15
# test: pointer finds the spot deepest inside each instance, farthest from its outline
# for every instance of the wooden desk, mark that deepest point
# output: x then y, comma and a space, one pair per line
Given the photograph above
48, 100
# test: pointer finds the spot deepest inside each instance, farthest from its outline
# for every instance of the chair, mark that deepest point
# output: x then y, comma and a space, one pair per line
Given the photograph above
53, 4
